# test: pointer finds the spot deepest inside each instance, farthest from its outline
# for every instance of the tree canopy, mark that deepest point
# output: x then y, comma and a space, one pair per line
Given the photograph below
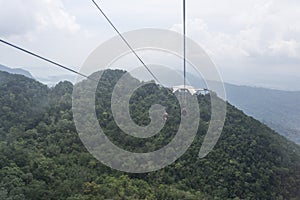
42, 156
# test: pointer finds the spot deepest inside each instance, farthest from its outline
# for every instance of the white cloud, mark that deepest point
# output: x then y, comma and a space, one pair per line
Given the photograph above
266, 29
289, 48
19, 17
256, 44
217, 44
52, 14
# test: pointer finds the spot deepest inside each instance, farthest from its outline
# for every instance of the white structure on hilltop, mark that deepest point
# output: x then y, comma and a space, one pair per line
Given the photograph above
189, 89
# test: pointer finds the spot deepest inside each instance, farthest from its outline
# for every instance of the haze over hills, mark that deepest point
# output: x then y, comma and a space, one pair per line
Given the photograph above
280, 110
53, 80
42, 157
16, 71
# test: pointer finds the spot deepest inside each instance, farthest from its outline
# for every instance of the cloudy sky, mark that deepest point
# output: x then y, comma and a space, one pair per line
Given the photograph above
252, 42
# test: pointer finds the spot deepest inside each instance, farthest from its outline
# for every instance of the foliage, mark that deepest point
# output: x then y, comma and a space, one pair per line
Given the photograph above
42, 157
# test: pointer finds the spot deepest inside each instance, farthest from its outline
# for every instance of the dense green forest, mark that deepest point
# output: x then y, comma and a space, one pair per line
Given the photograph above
42, 157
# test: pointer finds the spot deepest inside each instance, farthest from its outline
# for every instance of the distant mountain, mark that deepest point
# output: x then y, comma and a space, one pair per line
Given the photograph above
16, 71
278, 109
53, 80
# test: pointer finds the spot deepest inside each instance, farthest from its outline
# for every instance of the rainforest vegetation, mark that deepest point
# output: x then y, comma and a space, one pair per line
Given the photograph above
42, 156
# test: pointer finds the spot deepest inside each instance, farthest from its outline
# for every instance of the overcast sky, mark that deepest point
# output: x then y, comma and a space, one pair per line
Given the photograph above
252, 42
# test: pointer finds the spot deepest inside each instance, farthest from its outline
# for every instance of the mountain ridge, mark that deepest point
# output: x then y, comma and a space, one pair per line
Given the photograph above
279, 113
19, 71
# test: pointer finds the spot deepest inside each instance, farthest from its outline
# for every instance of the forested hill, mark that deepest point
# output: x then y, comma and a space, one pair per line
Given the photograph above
42, 157
21, 99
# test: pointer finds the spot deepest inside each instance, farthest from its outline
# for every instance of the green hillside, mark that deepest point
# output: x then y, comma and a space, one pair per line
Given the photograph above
42, 157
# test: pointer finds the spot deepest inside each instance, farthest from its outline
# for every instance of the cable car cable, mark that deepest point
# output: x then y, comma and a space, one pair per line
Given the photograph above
184, 55
44, 58
126, 42
184, 45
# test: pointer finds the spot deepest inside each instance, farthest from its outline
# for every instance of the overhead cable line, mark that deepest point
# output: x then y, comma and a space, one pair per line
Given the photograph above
45, 59
184, 45
126, 42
